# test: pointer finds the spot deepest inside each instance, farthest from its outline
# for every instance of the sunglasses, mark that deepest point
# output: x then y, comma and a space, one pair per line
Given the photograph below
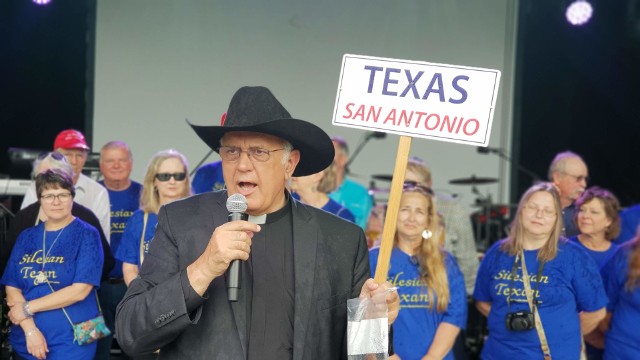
413, 186
167, 176
56, 155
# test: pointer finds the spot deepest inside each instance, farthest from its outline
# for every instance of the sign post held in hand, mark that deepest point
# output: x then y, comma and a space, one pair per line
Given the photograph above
414, 99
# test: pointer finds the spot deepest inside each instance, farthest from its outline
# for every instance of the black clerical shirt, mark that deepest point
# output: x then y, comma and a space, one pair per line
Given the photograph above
271, 278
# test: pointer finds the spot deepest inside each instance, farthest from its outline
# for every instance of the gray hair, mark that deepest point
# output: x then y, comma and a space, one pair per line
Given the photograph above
55, 160
116, 144
559, 162
286, 152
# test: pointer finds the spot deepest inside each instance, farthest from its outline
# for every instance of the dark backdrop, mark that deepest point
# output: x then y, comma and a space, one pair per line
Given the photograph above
577, 88
46, 66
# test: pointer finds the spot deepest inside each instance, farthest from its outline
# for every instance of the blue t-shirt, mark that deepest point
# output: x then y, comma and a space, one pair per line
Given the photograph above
569, 283
623, 338
629, 222
333, 207
600, 257
356, 198
208, 178
129, 250
123, 205
74, 255
416, 325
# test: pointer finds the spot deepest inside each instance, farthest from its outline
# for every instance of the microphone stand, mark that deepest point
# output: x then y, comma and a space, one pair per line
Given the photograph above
504, 156
487, 206
195, 168
4, 210
361, 145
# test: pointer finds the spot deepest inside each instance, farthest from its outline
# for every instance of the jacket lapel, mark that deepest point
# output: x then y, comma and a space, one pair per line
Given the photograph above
305, 241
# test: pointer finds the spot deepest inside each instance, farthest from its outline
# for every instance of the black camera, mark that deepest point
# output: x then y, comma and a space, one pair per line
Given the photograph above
520, 321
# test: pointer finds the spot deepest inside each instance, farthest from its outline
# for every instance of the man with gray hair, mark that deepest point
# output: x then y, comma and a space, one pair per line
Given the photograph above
116, 162
298, 264
569, 173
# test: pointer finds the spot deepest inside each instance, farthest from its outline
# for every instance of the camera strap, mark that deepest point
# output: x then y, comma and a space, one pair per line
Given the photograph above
532, 306
514, 269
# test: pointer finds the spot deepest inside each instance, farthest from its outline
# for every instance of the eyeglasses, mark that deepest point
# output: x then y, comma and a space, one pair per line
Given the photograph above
49, 198
546, 212
414, 186
167, 176
232, 153
578, 178
56, 155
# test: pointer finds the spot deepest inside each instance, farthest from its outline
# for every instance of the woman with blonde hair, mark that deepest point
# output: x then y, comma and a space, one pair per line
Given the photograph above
433, 300
166, 180
539, 291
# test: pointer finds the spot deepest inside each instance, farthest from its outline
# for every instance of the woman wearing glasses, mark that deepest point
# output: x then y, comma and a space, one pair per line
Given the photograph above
431, 287
51, 275
33, 214
564, 296
166, 180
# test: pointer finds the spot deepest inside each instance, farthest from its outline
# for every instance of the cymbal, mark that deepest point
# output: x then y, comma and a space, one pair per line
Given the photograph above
382, 177
473, 180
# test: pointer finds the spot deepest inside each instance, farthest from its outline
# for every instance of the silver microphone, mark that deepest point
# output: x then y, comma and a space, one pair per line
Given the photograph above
236, 205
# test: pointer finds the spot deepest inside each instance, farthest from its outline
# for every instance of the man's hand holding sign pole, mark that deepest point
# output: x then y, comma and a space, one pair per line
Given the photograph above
413, 99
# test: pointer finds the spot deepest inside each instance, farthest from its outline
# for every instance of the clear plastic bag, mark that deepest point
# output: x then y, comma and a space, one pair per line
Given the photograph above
368, 328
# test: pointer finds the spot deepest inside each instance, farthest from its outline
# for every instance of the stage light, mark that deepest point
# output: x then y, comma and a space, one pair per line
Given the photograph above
42, 2
579, 12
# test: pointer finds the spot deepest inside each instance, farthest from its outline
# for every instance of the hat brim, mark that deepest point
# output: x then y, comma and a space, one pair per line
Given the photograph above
75, 146
315, 146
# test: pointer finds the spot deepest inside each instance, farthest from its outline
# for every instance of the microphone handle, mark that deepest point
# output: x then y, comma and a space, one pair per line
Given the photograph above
233, 276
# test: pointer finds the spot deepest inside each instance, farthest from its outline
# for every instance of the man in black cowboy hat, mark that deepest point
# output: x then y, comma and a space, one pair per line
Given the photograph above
300, 264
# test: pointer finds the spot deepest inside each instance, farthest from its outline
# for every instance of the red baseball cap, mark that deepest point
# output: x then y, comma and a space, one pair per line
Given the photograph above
70, 139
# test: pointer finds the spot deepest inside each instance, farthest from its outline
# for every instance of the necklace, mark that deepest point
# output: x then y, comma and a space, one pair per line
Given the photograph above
41, 277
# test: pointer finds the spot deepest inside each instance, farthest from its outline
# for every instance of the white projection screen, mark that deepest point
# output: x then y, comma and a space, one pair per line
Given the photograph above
162, 61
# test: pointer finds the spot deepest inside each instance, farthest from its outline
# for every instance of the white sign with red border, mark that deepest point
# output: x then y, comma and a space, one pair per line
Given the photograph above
413, 98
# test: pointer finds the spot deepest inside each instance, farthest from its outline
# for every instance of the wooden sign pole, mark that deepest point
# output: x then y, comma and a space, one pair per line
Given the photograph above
389, 230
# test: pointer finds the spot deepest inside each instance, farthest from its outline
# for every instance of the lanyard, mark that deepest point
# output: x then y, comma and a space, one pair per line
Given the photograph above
41, 277
544, 345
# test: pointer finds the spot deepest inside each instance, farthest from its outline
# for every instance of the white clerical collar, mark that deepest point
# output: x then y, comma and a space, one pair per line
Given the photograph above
259, 219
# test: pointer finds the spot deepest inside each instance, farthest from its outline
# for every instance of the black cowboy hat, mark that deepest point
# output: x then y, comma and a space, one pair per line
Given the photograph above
256, 109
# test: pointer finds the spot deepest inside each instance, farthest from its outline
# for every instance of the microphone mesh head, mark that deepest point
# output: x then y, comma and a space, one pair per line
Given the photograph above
237, 203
